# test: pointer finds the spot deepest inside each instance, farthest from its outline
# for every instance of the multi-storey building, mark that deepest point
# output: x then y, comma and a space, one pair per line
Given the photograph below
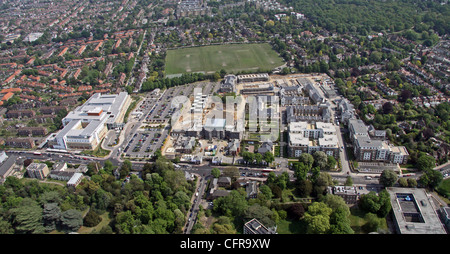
254, 227
38, 170
85, 127
245, 78
309, 138
229, 84
371, 148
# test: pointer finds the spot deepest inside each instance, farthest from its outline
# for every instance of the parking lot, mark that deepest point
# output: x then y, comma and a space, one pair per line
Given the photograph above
162, 109
145, 142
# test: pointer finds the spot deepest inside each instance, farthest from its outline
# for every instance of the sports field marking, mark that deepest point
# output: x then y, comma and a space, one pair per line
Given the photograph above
231, 57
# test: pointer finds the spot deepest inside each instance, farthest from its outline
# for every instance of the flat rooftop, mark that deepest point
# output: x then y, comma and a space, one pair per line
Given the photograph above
414, 213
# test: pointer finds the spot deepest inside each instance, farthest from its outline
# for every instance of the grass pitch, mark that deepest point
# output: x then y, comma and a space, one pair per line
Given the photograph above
230, 57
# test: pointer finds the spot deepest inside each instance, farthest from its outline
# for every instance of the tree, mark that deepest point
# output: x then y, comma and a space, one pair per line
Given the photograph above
335, 203
174, 179
268, 157
216, 76
388, 107
296, 210
215, 172
300, 171
425, 162
50, 216
71, 220
331, 162
232, 172
322, 182
369, 202
108, 166
372, 224
339, 221
261, 213
412, 183
125, 169
388, 178
349, 181
320, 159
307, 159
223, 225
385, 203
91, 219
380, 205
305, 188
266, 192
258, 158
431, 178
270, 23
232, 205
5, 227
405, 95
318, 218
27, 218
248, 156
403, 182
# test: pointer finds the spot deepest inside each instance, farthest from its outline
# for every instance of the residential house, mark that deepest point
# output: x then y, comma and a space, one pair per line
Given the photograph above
224, 182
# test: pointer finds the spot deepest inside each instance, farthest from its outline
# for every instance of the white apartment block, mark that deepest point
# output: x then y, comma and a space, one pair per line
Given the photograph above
309, 138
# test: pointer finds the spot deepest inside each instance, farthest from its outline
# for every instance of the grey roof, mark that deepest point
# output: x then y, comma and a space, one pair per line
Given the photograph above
357, 126
265, 147
363, 141
413, 211
233, 145
7, 165
257, 228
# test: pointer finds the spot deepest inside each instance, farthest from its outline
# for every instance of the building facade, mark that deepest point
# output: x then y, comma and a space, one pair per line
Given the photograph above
369, 147
308, 138
38, 170
85, 127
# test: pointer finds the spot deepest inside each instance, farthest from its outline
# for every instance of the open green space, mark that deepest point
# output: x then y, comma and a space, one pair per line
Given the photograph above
444, 189
231, 57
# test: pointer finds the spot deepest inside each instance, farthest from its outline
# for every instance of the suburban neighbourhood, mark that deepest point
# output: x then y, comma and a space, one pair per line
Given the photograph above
224, 117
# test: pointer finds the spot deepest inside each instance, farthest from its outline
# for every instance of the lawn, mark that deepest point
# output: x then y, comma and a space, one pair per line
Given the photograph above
357, 221
444, 188
230, 57
291, 226
105, 221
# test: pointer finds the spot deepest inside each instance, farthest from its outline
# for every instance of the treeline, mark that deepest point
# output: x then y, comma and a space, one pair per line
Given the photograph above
368, 16
185, 78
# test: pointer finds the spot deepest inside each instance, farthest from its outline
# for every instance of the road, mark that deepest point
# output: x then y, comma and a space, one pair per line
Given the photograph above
196, 202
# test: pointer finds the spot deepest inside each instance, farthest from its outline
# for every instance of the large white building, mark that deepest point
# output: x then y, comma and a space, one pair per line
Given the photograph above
85, 126
308, 138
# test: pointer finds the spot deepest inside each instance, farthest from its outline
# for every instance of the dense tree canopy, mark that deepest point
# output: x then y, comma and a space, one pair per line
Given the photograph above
157, 204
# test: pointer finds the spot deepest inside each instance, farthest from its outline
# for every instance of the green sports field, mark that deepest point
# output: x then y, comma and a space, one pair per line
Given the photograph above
230, 57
